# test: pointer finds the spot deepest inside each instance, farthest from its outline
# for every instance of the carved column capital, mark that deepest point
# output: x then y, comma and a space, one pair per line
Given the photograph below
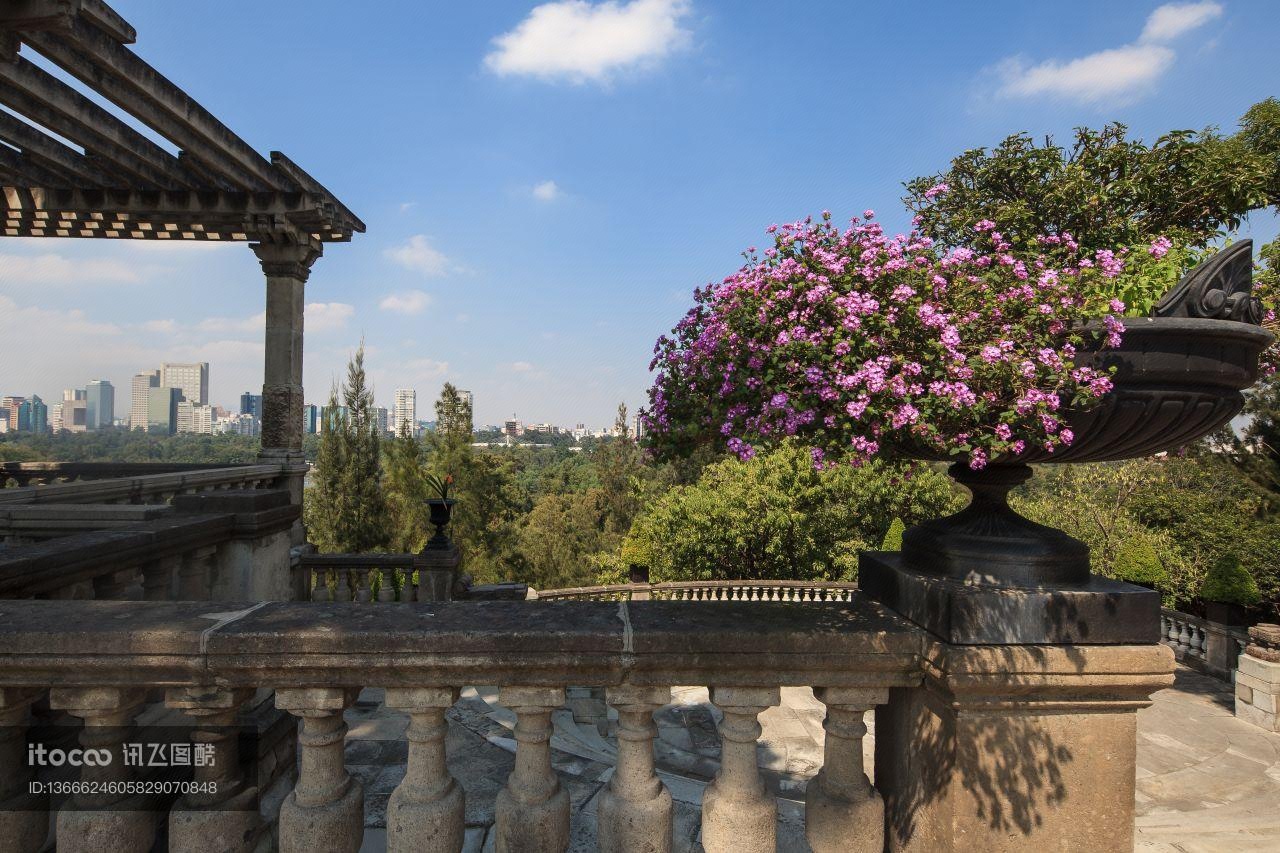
287, 260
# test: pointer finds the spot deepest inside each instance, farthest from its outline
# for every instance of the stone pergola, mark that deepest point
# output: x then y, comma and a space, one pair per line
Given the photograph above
70, 167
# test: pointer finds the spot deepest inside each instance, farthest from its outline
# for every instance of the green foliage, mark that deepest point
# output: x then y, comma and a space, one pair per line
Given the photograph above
1136, 561
120, 445
344, 509
1106, 189
893, 538
1229, 583
406, 489
775, 517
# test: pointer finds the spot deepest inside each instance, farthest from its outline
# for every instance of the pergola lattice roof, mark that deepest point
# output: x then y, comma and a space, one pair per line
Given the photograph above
118, 183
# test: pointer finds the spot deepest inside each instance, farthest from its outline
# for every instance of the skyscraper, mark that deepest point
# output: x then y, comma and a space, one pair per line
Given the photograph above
380, 415
162, 409
100, 397
33, 415
191, 380
406, 411
11, 404
310, 418
72, 412
251, 404
138, 397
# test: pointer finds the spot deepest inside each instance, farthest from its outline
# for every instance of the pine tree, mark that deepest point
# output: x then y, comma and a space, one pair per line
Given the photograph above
406, 492
347, 511
453, 414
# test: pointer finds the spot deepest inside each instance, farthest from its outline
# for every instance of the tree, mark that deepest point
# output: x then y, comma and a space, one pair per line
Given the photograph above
404, 463
776, 517
561, 535
453, 414
1106, 189
348, 511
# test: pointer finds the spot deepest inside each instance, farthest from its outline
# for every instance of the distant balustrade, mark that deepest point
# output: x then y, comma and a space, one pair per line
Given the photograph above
1203, 644
125, 483
726, 590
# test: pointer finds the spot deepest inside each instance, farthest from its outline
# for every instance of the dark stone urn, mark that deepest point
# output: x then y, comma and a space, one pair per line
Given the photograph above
989, 575
437, 565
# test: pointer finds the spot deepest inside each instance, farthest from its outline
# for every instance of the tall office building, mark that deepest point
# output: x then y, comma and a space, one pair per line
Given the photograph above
193, 417
73, 415
251, 404
191, 380
162, 409
100, 399
11, 404
310, 418
33, 415
380, 414
139, 393
406, 411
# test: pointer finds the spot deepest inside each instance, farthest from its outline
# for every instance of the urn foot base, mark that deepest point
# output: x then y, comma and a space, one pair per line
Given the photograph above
1099, 611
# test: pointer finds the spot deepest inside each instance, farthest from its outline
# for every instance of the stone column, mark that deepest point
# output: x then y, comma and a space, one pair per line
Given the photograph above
24, 816
325, 811
225, 820
532, 810
437, 568
1016, 748
426, 811
634, 809
86, 823
843, 813
738, 814
286, 266
118, 586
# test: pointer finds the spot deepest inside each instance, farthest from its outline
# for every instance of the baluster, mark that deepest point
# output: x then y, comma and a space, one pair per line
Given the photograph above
634, 810
364, 594
1197, 640
87, 824
24, 816
532, 810
387, 585
843, 812
1184, 637
195, 575
158, 578
1164, 627
320, 585
738, 814
224, 817
325, 810
1172, 634
426, 812
342, 589
118, 586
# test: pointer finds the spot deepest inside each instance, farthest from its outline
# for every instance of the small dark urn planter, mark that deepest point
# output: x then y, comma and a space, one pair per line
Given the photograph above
1178, 377
441, 513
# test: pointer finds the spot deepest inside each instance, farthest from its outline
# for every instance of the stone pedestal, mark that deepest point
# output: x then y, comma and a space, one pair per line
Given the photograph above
254, 564
1016, 748
24, 816
437, 568
1258, 679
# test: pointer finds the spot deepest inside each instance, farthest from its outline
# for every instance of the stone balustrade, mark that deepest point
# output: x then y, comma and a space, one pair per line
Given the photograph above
119, 483
977, 747
1201, 643
220, 544
317, 656
358, 577
726, 590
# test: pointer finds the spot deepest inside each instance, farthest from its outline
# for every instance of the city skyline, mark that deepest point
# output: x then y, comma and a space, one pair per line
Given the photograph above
533, 228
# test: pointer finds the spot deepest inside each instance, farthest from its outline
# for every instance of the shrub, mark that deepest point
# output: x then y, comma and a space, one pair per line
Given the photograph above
893, 538
1136, 561
1228, 583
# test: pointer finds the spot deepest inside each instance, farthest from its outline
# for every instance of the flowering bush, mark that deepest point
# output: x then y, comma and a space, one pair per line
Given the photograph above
854, 342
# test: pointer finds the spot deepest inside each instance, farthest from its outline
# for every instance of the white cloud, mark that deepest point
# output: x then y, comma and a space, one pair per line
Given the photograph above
521, 366
417, 254
52, 268
406, 206
425, 368
546, 191
162, 327
223, 325
1173, 19
1115, 74
579, 41
327, 316
407, 302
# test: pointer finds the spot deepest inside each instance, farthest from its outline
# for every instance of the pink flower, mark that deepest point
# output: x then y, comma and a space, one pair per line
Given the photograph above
1160, 247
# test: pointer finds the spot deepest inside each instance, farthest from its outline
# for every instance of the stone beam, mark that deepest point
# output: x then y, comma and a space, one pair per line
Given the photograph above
298, 644
47, 150
119, 75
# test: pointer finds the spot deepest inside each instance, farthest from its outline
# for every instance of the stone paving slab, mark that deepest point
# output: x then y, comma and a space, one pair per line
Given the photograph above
1206, 781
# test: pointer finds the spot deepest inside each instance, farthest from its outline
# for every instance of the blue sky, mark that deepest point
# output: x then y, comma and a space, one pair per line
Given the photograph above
545, 184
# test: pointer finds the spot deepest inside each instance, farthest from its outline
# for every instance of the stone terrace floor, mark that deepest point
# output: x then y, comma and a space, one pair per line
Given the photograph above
1207, 782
